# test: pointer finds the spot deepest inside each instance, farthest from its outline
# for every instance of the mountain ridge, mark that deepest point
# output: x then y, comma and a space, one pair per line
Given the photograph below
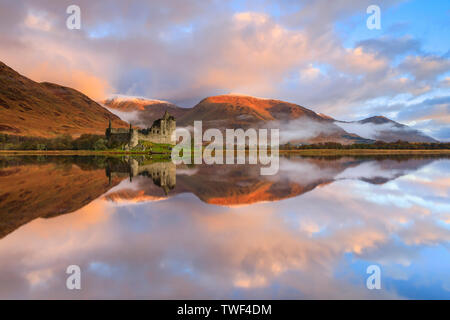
244, 111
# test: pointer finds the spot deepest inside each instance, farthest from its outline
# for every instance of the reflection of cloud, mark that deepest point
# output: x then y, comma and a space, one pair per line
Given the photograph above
372, 169
305, 172
187, 172
183, 248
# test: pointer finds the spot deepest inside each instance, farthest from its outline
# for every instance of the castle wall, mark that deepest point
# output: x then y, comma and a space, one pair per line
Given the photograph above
134, 139
160, 132
156, 138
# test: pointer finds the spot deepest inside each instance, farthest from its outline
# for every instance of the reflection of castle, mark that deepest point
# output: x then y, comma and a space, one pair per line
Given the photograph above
163, 174
160, 132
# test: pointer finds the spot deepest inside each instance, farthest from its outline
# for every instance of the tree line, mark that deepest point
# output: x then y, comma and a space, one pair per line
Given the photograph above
99, 142
62, 142
397, 145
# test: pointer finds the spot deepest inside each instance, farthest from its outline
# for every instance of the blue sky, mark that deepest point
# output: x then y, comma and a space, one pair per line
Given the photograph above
426, 21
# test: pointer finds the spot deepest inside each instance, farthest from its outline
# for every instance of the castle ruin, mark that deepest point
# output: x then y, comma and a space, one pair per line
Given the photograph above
161, 131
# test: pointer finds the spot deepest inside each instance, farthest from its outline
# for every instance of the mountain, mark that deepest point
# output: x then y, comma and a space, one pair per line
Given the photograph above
384, 129
244, 111
298, 124
28, 108
140, 111
70, 183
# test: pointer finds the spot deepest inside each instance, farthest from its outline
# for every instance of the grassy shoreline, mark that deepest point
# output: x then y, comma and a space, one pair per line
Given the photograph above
306, 152
73, 152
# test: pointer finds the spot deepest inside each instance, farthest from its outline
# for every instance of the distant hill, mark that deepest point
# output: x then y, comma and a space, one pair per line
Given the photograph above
28, 108
300, 125
239, 110
140, 111
384, 129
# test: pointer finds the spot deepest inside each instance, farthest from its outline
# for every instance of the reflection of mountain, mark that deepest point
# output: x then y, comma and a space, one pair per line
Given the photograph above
42, 189
238, 186
33, 187
233, 185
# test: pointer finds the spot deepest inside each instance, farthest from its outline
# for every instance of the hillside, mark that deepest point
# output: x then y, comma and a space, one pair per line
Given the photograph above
242, 111
28, 108
297, 124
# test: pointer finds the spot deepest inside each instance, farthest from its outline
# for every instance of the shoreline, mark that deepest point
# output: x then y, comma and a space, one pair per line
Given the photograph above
74, 152
350, 152
306, 152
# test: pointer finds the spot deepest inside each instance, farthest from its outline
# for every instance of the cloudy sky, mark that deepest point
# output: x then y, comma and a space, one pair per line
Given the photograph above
319, 54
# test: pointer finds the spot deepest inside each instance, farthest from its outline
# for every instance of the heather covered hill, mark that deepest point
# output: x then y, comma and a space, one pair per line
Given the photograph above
28, 108
243, 110
298, 124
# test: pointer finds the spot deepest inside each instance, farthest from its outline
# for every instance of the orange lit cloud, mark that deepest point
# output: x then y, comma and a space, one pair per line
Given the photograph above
89, 84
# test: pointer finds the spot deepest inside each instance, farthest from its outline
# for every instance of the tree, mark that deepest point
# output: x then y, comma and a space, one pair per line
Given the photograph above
100, 144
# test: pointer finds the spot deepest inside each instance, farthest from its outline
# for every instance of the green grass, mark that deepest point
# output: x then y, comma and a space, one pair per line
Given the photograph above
146, 147
154, 147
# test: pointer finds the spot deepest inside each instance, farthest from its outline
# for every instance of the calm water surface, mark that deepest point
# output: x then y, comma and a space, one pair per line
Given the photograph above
143, 229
